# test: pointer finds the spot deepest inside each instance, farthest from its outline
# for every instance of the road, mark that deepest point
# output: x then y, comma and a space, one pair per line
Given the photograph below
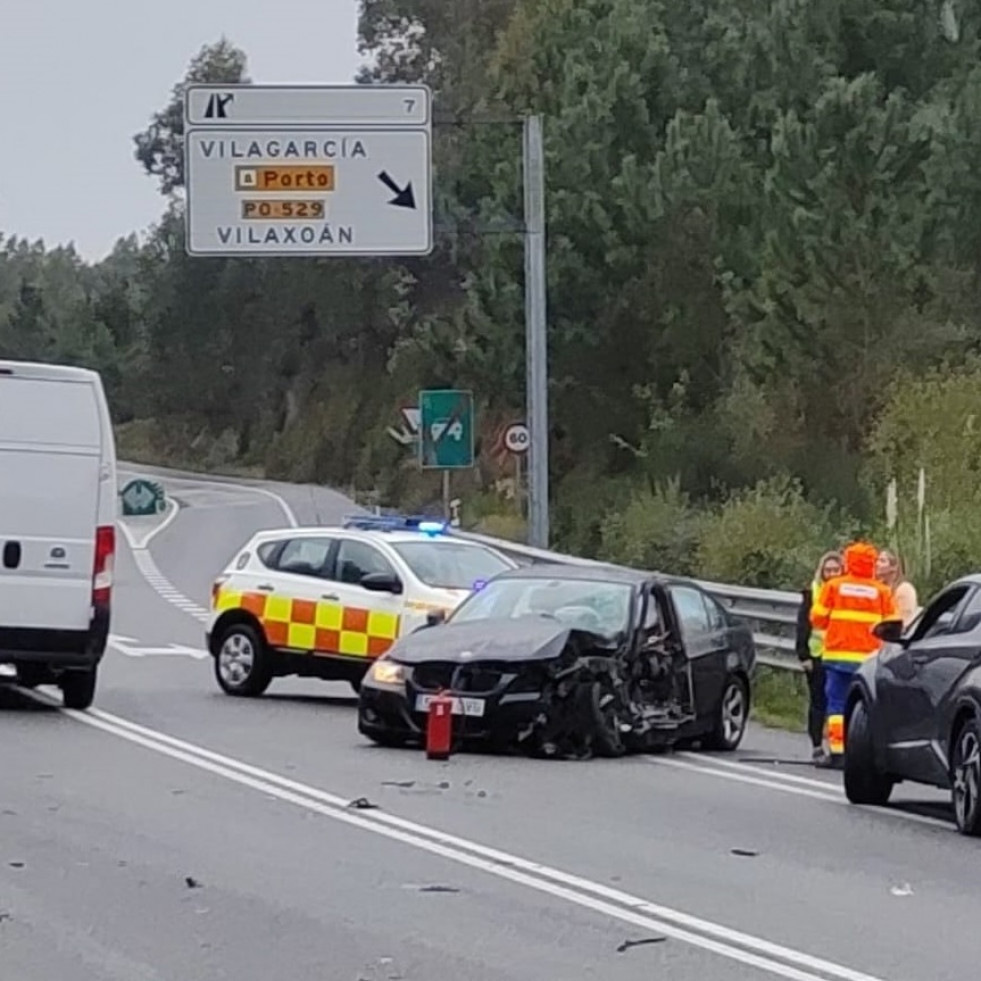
174, 833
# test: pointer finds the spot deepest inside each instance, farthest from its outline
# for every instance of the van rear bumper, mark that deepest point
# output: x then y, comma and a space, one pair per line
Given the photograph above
60, 648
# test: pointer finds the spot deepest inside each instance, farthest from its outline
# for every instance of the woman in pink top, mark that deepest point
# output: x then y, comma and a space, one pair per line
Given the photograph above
889, 569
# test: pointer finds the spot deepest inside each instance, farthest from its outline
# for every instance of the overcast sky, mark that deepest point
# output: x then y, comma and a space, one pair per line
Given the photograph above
79, 77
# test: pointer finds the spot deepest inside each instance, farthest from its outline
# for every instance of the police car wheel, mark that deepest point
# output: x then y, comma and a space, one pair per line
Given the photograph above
242, 665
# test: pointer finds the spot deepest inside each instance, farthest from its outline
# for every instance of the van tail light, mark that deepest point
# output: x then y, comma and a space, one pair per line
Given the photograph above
105, 551
216, 589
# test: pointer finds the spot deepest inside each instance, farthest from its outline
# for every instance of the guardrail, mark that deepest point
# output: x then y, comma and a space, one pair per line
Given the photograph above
771, 612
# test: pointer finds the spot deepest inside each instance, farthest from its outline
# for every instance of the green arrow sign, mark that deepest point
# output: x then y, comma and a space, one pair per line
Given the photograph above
446, 429
143, 497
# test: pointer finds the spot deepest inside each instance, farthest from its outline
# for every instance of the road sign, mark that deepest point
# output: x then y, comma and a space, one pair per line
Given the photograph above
516, 438
143, 497
308, 170
446, 429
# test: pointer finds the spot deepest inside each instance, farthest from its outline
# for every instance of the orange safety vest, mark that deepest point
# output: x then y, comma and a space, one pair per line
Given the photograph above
849, 606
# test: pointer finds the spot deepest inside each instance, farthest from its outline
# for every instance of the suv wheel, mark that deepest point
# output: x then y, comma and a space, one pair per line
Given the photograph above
242, 665
966, 779
864, 782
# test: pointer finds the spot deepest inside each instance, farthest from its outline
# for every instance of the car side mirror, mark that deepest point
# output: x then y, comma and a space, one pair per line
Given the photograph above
435, 617
890, 631
382, 582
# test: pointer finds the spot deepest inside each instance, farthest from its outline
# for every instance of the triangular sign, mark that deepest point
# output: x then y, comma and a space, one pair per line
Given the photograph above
412, 417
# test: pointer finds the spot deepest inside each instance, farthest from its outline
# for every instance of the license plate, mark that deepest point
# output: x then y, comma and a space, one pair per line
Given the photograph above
472, 707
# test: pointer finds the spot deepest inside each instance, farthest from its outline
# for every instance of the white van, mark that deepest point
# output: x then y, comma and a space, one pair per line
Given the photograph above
58, 508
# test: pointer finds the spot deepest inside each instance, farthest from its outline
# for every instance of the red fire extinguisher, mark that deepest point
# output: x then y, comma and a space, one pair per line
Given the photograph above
439, 728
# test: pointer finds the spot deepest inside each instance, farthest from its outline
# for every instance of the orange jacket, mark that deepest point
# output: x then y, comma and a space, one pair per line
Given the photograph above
849, 606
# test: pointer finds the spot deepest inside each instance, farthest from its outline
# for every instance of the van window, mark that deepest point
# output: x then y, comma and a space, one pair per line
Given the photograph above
39, 411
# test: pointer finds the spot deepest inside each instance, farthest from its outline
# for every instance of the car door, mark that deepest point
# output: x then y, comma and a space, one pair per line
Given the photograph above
295, 590
915, 677
705, 645
371, 620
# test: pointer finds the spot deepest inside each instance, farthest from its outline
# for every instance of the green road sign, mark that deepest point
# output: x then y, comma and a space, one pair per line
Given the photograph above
143, 497
446, 429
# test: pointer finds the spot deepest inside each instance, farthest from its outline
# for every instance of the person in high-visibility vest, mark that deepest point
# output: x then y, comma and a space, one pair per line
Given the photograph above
810, 649
847, 608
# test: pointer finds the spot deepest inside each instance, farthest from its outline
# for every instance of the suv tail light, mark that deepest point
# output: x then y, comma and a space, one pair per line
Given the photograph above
105, 550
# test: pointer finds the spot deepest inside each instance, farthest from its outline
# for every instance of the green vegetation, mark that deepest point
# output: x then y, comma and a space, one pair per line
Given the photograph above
764, 253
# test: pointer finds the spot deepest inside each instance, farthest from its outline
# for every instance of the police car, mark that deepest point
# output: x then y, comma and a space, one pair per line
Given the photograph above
324, 602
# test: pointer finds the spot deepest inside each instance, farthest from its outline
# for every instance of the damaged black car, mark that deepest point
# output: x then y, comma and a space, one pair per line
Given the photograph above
571, 662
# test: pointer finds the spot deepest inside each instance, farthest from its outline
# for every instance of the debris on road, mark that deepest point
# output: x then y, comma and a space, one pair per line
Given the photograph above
398, 783
4, 916
904, 890
362, 804
191, 882
16, 865
438, 889
627, 944
743, 852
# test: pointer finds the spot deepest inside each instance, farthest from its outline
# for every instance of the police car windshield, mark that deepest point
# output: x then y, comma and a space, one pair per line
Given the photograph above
450, 565
587, 604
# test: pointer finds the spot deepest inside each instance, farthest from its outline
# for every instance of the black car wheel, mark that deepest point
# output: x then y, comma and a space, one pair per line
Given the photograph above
242, 665
966, 779
78, 688
864, 782
731, 716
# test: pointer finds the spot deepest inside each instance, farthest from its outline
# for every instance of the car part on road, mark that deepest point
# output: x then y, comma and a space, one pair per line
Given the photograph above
864, 782
242, 665
966, 778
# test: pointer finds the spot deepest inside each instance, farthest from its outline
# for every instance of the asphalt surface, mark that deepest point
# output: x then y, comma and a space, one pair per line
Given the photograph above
174, 833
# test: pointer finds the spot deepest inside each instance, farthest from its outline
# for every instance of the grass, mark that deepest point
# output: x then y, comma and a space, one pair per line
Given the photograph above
780, 699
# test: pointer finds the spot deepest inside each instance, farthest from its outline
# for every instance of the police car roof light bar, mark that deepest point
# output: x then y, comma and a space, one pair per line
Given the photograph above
394, 522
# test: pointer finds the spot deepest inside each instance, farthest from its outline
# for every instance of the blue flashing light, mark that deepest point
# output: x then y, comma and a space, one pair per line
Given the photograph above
395, 522
479, 585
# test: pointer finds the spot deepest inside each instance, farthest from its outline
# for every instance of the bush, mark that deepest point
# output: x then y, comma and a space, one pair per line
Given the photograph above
768, 536
656, 530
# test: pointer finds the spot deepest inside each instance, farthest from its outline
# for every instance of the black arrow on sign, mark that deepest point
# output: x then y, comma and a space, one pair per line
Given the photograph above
404, 198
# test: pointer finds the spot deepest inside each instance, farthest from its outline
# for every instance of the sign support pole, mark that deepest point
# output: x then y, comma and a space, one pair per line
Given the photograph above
446, 495
536, 347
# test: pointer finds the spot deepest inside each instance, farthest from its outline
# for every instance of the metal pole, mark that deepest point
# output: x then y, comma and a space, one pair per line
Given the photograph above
536, 348
446, 495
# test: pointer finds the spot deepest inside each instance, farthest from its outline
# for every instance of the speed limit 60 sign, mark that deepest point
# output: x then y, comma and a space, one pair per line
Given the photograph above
516, 438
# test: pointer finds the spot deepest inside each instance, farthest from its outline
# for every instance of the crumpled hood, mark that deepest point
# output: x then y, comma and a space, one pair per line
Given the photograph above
526, 639
860, 559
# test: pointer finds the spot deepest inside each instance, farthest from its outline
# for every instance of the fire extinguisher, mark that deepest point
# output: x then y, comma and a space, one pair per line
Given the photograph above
439, 727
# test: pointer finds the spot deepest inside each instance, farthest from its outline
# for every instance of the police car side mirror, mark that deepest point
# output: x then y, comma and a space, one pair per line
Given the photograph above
382, 582
435, 617
890, 631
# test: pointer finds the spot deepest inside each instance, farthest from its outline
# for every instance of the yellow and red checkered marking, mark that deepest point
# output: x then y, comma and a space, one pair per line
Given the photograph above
317, 626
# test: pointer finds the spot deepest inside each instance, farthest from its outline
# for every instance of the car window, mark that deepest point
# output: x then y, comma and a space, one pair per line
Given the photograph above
450, 565
304, 557
969, 617
586, 604
268, 551
691, 609
718, 618
939, 616
357, 559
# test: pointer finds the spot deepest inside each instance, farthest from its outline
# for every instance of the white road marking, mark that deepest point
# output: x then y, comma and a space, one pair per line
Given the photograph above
773, 958
785, 783
173, 508
165, 588
132, 648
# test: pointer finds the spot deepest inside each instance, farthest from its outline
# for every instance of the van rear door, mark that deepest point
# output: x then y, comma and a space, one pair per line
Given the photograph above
51, 439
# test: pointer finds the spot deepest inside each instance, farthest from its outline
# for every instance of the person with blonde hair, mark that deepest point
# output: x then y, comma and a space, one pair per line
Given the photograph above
810, 650
891, 570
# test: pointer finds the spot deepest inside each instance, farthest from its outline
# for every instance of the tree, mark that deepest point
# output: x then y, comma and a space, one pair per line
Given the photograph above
160, 147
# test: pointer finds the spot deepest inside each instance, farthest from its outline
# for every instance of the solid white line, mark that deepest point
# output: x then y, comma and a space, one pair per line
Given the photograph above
833, 795
582, 892
753, 768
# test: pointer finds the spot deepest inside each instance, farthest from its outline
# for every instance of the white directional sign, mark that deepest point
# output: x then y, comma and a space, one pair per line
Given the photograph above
308, 171
517, 438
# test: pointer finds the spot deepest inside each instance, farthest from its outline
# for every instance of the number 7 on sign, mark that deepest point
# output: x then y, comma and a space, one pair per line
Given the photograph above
410, 104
